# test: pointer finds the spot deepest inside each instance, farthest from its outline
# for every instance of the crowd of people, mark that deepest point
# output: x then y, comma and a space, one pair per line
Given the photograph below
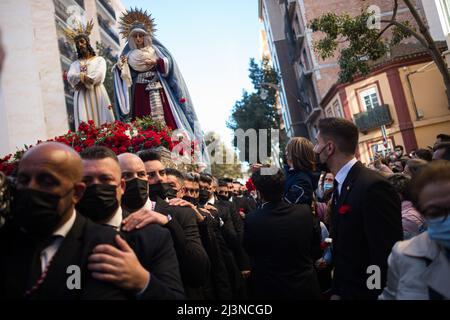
96, 225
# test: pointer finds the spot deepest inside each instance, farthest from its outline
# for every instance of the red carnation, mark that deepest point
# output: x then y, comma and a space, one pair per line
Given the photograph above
147, 144
182, 100
344, 209
323, 245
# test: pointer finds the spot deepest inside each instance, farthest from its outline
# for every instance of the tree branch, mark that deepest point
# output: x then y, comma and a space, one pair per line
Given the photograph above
416, 35
394, 12
390, 24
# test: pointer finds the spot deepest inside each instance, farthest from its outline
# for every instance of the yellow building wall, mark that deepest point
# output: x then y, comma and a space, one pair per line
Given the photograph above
430, 99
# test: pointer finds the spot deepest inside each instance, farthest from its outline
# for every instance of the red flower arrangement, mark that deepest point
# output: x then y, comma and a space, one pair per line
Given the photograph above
249, 185
344, 209
120, 137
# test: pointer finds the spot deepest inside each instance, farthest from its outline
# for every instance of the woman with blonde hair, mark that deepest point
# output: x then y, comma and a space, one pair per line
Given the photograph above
301, 181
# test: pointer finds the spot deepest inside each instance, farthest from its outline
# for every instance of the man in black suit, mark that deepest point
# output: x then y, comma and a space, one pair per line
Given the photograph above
181, 222
366, 213
233, 229
279, 238
148, 266
46, 242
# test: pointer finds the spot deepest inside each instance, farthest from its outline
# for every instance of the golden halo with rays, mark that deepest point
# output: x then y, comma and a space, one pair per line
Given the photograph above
136, 18
79, 30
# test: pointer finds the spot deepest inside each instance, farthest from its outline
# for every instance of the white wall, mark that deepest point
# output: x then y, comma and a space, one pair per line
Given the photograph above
33, 94
433, 19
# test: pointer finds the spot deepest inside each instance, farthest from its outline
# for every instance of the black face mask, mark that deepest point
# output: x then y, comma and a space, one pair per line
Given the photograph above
136, 194
322, 166
192, 200
158, 190
99, 202
171, 193
36, 211
222, 197
203, 197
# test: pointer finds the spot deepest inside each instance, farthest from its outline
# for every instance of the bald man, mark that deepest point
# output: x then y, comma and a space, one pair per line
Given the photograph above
45, 247
146, 263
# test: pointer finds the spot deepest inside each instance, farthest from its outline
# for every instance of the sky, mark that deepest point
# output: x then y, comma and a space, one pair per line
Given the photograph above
212, 42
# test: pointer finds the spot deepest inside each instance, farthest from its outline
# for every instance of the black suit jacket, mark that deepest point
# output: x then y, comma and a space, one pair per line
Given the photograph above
16, 254
192, 257
218, 286
153, 246
233, 232
366, 223
278, 238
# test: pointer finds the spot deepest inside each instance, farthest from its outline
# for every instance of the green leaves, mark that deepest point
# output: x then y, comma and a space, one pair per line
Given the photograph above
356, 39
253, 112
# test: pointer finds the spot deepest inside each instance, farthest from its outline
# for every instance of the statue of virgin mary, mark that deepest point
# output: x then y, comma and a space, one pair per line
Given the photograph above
147, 80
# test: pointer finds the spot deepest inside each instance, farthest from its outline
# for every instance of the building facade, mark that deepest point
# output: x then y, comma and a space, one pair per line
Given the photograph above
37, 101
404, 87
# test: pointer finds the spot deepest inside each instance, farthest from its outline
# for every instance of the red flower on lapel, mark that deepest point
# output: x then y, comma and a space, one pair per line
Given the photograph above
344, 209
323, 245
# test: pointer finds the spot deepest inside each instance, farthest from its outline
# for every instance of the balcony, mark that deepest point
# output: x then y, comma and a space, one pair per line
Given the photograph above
62, 7
105, 4
105, 26
373, 118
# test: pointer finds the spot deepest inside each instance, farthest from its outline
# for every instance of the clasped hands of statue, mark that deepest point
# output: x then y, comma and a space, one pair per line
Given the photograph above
84, 80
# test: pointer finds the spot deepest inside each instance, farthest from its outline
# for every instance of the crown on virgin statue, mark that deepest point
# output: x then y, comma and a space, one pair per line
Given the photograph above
136, 19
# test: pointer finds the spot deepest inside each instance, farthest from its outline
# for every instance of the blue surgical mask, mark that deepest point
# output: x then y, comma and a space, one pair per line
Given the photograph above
439, 231
327, 186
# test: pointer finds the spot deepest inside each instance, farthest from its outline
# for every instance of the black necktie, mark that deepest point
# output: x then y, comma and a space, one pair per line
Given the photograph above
335, 191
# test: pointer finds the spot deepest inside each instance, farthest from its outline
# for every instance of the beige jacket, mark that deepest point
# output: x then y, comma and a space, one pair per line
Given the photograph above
409, 277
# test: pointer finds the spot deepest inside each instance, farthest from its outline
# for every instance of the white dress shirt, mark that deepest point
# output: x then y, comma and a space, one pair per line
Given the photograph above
343, 172
49, 252
116, 219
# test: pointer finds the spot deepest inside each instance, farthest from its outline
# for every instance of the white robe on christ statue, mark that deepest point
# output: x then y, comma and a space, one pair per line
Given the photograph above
92, 101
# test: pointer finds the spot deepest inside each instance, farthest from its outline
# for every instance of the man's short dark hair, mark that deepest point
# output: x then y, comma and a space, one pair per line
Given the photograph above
424, 154
192, 177
206, 178
342, 132
222, 183
446, 147
176, 173
443, 137
149, 155
98, 153
399, 147
270, 186
227, 180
